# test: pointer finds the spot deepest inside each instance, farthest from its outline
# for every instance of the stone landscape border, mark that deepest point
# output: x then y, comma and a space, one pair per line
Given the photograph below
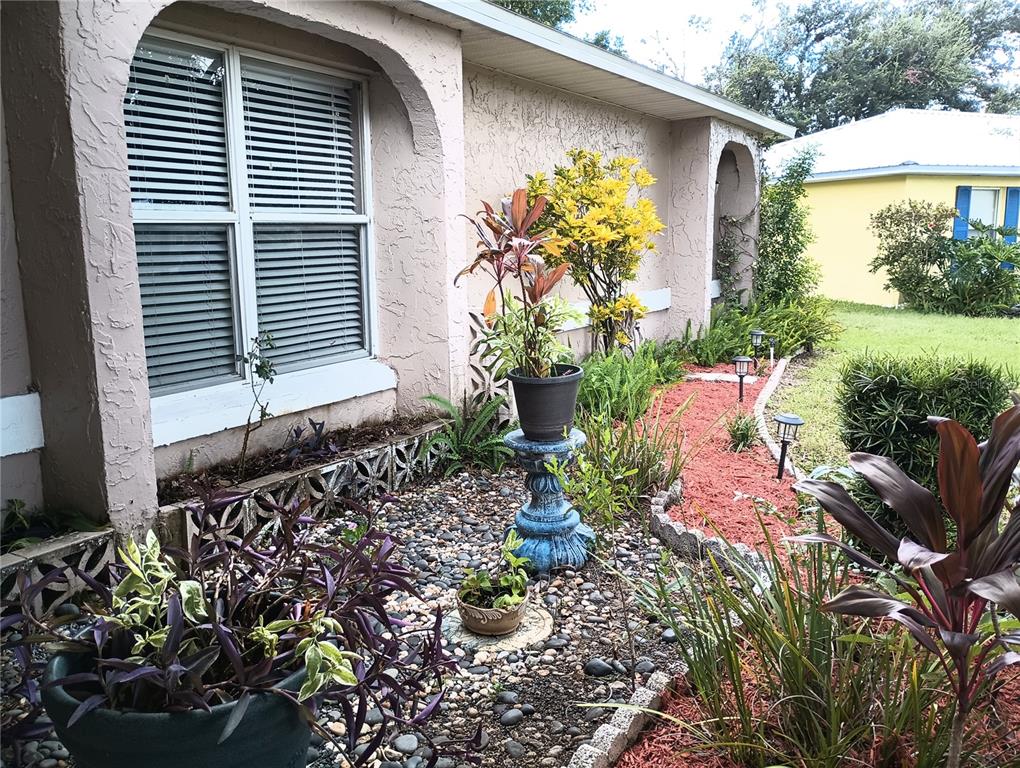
759, 414
380, 467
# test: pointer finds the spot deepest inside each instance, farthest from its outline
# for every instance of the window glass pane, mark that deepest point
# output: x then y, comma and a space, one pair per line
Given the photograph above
982, 207
300, 139
176, 134
309, 289
187, 304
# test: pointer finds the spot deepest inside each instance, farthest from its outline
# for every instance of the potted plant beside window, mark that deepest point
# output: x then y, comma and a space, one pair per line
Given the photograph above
219, 654
495, 604
523, 327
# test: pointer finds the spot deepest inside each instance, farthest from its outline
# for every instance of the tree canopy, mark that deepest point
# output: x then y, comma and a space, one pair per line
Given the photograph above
828, 62
556, 13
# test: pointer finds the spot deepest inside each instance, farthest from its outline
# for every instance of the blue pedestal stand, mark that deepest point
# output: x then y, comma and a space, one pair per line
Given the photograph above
554, 536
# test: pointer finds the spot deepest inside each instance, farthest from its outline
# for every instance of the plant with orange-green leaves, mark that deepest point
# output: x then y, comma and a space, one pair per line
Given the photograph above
604, 227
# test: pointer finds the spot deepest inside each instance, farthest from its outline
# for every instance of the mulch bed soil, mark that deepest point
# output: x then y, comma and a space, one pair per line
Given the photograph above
720, 486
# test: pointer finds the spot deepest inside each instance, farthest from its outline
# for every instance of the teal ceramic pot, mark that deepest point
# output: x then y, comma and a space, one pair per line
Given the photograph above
272, 733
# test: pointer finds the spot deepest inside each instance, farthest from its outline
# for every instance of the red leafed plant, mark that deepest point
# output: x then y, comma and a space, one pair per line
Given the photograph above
508, 252
948, 598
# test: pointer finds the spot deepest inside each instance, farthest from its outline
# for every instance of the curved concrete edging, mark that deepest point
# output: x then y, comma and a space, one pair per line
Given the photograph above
759, 414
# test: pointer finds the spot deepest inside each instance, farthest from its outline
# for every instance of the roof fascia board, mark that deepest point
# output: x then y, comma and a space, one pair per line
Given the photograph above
918, 170
505, 22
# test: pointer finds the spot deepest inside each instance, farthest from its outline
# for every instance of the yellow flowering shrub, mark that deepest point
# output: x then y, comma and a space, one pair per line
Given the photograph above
605, 227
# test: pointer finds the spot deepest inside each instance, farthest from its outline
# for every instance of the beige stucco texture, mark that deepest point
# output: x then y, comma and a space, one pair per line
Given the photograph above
444, 134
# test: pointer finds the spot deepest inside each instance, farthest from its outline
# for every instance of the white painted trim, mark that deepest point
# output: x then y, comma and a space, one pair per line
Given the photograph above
21, 428
656, 300
917, 170
505, 22
182, 415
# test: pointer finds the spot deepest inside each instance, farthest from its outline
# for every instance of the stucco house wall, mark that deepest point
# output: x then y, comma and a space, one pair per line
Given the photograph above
444, 135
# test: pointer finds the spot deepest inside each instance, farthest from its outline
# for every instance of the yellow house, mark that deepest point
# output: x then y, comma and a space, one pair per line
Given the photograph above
967, 159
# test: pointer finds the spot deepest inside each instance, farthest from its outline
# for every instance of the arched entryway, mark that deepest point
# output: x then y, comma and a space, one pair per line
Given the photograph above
736, 197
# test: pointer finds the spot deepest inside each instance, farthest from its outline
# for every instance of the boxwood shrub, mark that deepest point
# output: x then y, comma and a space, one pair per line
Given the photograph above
884, 401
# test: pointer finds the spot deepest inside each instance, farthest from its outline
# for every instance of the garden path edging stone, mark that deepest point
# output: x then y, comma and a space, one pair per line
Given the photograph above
759, 414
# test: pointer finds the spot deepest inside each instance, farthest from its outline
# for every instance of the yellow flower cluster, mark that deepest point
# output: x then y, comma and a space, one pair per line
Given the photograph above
594, 207
625, 308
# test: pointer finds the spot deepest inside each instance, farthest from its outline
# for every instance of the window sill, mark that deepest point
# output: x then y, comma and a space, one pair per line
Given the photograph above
183, 415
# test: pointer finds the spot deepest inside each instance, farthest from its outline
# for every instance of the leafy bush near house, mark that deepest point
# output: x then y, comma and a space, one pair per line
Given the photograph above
471, 436
934, 273
782, 273
884, 403
617, 386
797, 324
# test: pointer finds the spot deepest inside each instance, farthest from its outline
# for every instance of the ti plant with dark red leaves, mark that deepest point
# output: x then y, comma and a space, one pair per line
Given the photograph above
231, 616
952, 599
508, 252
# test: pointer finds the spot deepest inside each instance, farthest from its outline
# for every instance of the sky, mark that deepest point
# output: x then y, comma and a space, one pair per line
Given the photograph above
661, 31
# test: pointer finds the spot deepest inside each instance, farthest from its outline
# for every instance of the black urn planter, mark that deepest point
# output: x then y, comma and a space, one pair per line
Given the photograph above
546, 406
272, 733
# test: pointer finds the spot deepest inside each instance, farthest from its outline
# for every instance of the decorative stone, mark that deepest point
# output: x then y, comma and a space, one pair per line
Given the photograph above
598, 668
554, 536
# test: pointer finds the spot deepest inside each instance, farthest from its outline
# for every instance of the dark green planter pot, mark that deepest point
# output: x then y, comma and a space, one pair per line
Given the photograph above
272, 733
546, 406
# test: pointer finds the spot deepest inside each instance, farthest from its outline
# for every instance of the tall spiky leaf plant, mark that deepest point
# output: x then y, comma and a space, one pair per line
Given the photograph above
950, 598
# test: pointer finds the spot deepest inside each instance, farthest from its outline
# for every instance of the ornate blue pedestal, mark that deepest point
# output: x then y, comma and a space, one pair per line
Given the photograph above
554, 536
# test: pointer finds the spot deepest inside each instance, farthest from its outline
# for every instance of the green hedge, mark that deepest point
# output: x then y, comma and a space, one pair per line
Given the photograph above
884, 402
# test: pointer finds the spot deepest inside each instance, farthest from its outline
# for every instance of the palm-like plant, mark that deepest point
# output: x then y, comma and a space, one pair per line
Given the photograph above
472, 436
948, 597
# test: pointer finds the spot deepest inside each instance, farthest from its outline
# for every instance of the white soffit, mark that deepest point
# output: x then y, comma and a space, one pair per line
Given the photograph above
497, 39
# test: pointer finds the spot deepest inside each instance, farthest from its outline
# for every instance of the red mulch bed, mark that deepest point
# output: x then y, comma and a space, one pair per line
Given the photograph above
666, 745
719, 485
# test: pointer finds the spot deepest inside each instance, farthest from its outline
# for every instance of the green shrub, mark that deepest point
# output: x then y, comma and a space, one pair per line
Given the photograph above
934, 273
669, 356
797, 324
782, 681
471, 436
883, 402
781, 271
617, 385
743, 432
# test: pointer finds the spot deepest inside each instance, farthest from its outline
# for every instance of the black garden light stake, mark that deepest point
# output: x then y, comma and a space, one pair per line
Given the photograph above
757, 337
772, 352
787, 426
741, 365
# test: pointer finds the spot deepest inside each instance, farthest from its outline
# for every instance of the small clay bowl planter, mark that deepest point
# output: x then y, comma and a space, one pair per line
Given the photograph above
492, 621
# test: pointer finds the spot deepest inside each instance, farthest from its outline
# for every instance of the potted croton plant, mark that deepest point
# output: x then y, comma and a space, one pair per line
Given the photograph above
220, 654
524, 317
495, 604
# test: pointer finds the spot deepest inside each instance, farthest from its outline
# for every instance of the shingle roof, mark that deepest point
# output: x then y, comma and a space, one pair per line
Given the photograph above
911, 141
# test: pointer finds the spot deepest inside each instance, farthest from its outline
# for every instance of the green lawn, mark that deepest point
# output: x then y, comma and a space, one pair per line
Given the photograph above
810, 387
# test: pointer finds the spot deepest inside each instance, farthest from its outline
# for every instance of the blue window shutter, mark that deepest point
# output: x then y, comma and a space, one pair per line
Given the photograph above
960, 225
1012, 211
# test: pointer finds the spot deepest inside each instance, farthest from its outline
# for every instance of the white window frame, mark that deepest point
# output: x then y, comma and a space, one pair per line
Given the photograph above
207, 409
996, 197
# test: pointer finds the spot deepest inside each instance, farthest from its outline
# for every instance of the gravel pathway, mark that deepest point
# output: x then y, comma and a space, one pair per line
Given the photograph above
535, 705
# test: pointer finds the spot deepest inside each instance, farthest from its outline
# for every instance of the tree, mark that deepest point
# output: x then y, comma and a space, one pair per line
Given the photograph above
556, 13
828, 62
782, 271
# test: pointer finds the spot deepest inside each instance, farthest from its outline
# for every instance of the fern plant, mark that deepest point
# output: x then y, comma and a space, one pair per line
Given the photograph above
471, 436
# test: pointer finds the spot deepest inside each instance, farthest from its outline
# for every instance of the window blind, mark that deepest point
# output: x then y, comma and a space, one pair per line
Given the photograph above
187, 303
176, 134
299, 139
308, 283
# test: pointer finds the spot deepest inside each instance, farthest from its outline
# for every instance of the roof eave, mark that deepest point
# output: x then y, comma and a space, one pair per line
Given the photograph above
503, 22
917, 170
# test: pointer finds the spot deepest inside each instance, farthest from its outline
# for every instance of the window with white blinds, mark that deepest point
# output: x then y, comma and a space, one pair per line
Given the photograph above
248, 210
